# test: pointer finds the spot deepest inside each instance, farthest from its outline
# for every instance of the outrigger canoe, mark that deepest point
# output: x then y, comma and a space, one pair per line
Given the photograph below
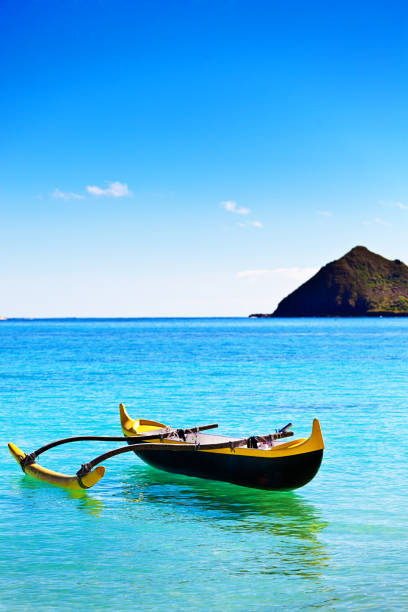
261, 462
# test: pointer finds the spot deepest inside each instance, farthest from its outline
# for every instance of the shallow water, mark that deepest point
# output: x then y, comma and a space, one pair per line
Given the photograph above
146, 539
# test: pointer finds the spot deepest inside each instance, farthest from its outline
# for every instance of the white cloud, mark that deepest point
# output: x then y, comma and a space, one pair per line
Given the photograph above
114, 190
324, 213
233, 207
399, 205
61, 195
296, 274
378, 221
382, 222
256, 224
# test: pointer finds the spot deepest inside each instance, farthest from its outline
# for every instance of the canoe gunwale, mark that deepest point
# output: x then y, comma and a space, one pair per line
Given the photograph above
133, 428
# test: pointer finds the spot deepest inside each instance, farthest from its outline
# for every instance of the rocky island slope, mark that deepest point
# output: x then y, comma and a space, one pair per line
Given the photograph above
360, 283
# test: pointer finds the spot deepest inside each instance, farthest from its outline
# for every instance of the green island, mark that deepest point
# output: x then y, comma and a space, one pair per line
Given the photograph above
359, 284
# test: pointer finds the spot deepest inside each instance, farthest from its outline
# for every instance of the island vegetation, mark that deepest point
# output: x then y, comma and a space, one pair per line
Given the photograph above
361, 283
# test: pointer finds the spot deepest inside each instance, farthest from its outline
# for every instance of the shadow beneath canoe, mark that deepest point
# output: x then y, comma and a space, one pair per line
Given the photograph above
234, 508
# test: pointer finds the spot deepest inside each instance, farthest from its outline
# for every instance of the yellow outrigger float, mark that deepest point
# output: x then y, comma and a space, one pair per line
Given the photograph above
257, 461
62, 480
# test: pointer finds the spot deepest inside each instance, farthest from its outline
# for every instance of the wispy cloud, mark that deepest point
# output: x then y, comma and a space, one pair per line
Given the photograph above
297, 274
256, 224
233, 207
382, 222
66, 195
114, 190
399, 205
324, 213
378, 221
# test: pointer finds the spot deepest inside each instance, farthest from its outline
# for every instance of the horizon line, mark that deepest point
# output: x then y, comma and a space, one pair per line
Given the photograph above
84, 318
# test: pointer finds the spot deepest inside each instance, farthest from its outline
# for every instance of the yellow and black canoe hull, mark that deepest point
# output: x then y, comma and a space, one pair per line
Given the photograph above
273, 474
286, 466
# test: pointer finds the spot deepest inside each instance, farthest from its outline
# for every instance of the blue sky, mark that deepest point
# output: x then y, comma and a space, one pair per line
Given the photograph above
195, 157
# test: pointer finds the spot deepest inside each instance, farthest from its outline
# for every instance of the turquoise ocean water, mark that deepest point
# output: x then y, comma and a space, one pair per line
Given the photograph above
144, 539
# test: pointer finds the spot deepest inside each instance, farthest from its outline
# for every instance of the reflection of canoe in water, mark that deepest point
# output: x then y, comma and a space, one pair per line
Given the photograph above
281, 466
235, 508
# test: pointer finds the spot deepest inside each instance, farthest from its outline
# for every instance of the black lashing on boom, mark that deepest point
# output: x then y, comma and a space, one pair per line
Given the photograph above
252, 442
83, 471
27, 460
